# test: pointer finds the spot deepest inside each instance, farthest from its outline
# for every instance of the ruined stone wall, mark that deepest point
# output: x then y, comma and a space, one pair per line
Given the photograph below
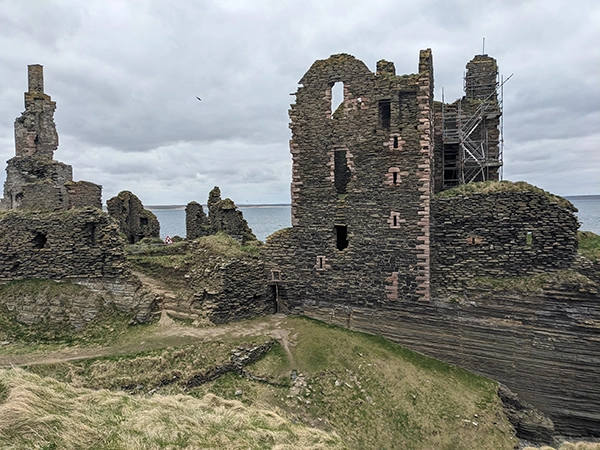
135, 222
241, 292
360, 186
498, 235
196, 221
80, 246
60, 245
467, 132
224, 216
33, 179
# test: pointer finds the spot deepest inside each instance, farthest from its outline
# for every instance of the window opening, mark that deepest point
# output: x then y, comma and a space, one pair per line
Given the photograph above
395, 141
385, 113
143, 221
320, 261
341, 236
39, 241
395, 177
341, 171
395, 220
91, 233
337, 96
529, 239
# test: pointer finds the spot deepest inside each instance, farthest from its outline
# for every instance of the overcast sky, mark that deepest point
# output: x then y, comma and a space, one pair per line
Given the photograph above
125, 75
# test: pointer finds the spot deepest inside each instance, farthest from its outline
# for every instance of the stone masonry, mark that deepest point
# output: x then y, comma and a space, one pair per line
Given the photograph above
372, 248
196, 221
34, 180
53, 228
135, 222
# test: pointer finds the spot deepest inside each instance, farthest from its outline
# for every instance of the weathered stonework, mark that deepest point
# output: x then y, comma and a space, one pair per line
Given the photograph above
371, 247
52, 228
33, 179
135, 222
224, 216
196, 221
82, 246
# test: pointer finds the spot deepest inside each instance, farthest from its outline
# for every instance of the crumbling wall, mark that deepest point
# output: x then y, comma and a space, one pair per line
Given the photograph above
33, 179
360, 187
81, 246
196, 221
224, 216
135, 222
239, 292
500, 234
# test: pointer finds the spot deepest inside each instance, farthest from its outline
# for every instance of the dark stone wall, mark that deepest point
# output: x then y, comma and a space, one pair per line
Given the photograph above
360, 187
196, 221
81, 246
240, 293
135, 222
33, 179
83, 194
60, 245
370, 248
224, 216
498, 235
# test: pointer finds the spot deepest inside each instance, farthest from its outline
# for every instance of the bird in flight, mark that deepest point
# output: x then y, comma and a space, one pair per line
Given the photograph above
199, 99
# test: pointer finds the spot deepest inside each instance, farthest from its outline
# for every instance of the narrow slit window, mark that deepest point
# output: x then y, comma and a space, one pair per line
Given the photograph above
337, 97
529, 239
341, 171
394, 178
395, 141
341, 232
385, 113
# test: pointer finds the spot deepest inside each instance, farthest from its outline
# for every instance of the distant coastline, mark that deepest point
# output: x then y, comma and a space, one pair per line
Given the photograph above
259, 205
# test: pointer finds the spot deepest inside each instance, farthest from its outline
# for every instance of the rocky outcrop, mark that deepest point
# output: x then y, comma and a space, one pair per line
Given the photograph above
135, 222
530, 424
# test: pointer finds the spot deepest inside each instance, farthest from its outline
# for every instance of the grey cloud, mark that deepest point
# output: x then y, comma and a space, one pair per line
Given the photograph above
125, 76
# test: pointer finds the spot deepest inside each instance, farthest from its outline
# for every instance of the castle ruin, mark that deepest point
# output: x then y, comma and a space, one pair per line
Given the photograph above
34, 180
390, 236
53, 228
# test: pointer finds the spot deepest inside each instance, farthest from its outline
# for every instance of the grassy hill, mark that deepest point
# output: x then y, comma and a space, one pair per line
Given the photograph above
316, 387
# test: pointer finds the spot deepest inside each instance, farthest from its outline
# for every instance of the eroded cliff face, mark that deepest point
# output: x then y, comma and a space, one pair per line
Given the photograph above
539, 336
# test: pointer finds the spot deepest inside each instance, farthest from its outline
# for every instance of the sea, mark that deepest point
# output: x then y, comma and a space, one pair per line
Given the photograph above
266, 219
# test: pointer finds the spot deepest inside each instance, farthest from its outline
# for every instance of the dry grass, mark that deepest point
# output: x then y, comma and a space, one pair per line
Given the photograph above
43, 413
589, 245
371, 392
569, 446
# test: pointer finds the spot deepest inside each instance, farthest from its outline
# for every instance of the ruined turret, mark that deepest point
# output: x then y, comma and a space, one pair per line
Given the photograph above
34, 180
224, 216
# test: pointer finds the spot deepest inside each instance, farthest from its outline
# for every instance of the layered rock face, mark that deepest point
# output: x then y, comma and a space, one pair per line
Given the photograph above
135, 222
33, 179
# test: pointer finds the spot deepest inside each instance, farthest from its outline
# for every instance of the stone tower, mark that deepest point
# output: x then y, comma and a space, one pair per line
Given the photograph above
34, 180
467, 133
361, 186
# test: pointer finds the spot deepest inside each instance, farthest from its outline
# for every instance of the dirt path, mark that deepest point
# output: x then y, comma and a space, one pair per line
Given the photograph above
165, 334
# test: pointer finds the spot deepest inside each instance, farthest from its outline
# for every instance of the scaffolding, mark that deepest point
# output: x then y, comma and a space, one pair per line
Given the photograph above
472, 133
